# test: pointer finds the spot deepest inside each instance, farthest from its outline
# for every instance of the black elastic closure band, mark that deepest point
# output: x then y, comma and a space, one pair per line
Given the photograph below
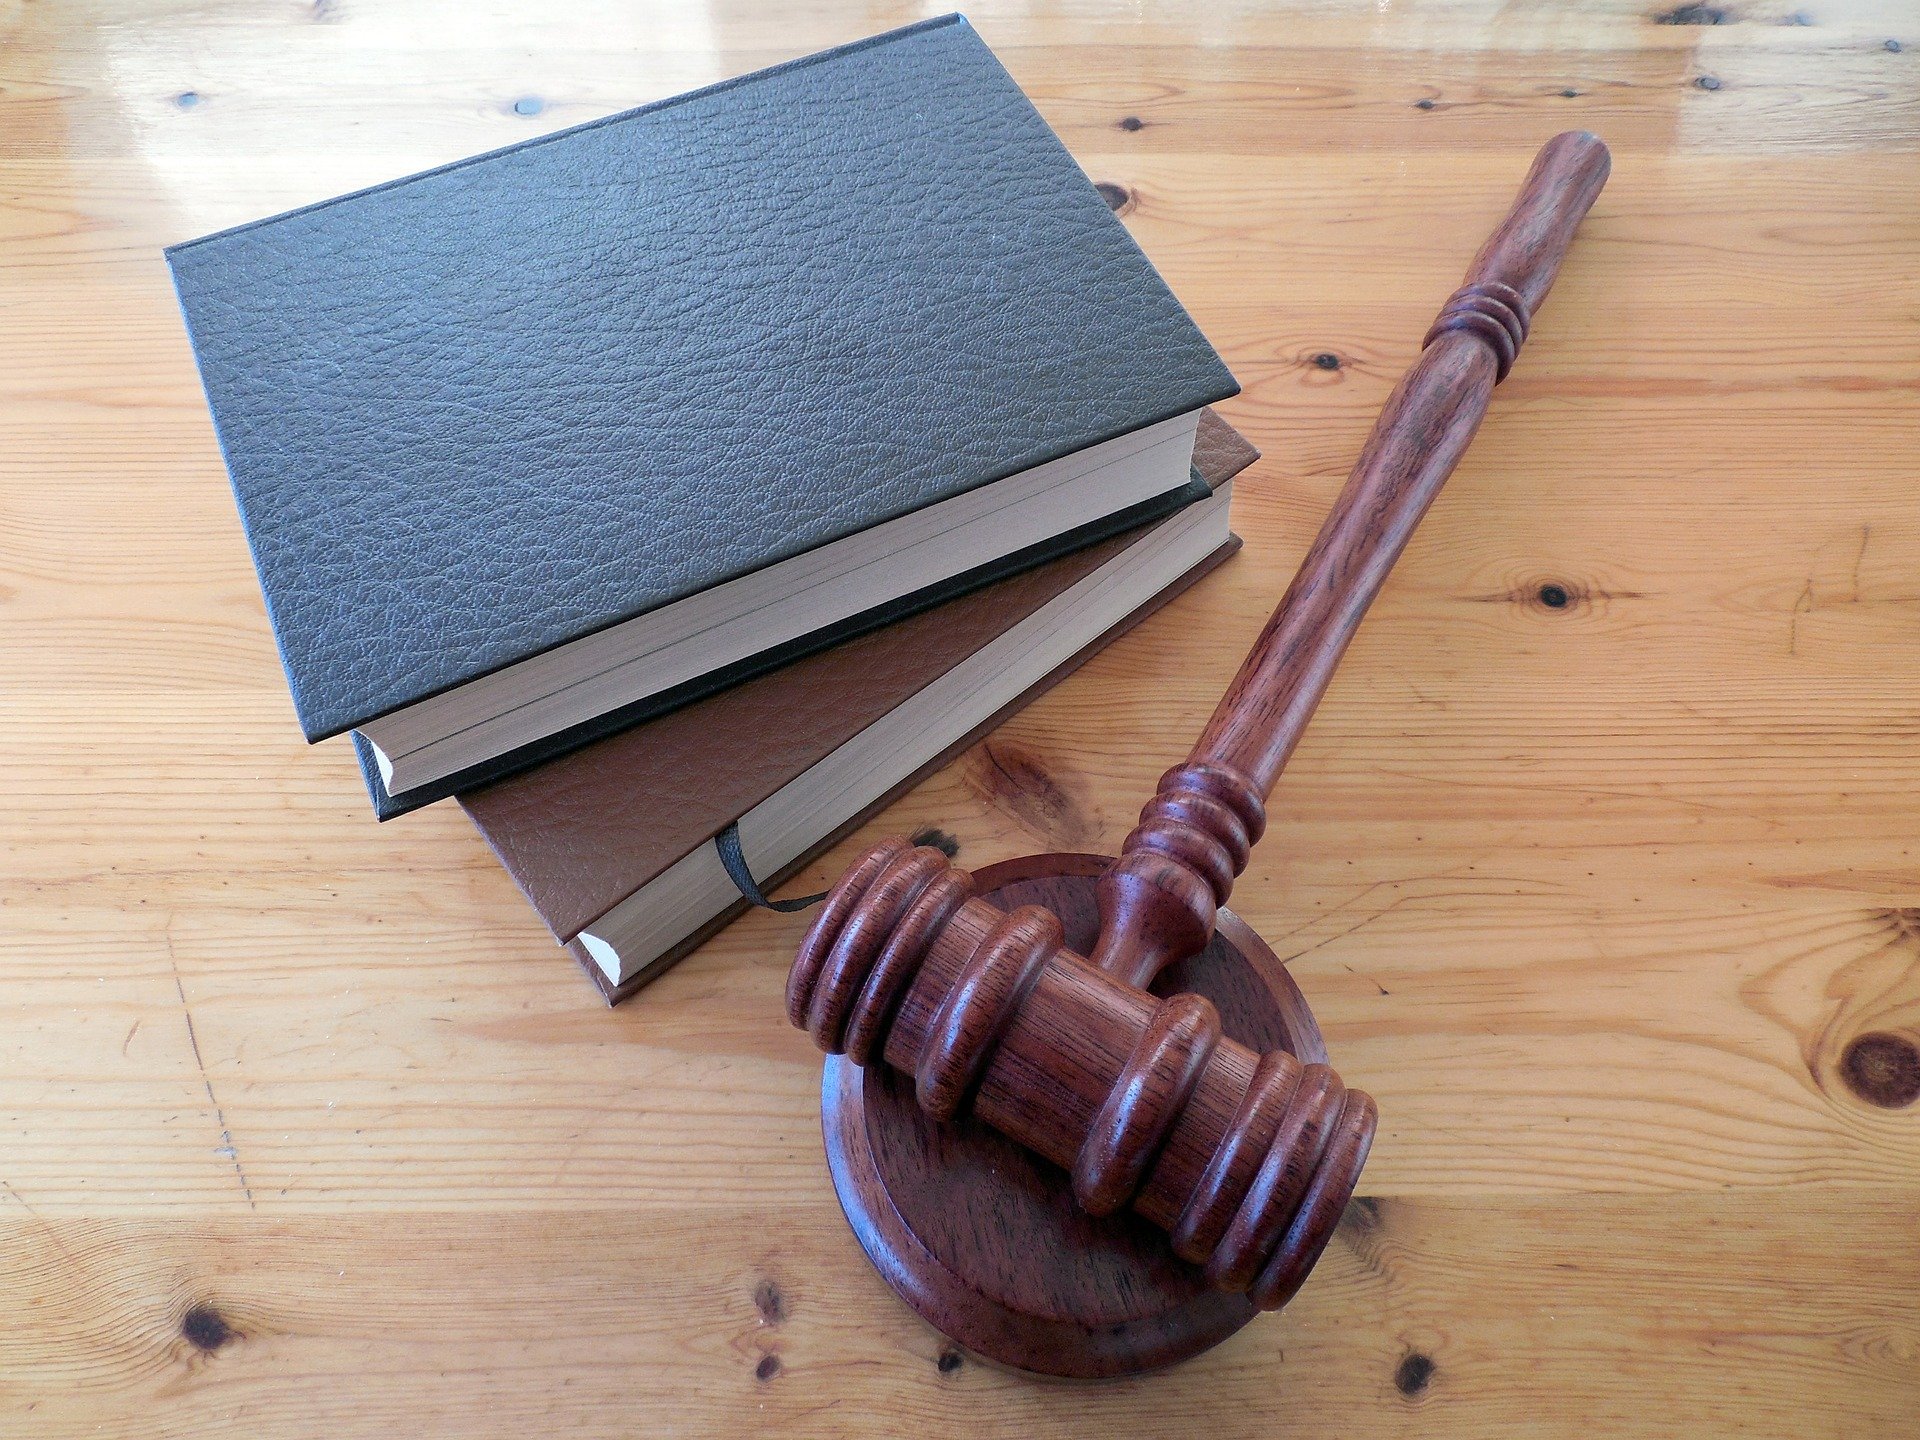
727, 842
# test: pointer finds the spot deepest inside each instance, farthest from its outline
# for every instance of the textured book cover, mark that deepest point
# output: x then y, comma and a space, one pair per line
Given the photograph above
575, 841
479, 412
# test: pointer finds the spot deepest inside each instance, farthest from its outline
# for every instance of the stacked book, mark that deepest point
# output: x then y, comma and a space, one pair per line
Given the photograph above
707, 472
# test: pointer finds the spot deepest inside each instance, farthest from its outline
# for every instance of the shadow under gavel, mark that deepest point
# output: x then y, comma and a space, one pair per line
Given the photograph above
1246, 1159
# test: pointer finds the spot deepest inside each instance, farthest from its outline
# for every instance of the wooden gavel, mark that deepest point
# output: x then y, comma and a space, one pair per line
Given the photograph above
1246, 1159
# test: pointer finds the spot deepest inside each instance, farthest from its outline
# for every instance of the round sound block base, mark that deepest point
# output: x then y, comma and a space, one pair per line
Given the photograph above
983, 1238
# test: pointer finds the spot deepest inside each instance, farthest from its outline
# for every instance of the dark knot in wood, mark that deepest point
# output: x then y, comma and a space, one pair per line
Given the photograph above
1246, 1159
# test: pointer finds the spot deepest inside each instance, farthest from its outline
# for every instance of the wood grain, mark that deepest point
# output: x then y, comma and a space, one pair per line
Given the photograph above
1595, 897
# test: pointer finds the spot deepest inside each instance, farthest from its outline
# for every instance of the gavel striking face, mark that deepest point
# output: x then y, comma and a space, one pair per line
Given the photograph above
1246, 1160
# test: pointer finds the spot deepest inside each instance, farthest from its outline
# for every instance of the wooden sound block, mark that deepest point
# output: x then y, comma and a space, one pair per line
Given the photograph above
983, 1238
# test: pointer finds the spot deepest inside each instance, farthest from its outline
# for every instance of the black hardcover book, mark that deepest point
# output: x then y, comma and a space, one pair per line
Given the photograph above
546, 441
531, 754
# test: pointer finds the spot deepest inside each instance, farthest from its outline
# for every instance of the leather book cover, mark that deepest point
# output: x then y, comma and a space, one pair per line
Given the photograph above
575, 842
482, 411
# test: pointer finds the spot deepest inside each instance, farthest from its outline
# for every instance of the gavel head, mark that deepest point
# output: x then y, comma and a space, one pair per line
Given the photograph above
1247, 1160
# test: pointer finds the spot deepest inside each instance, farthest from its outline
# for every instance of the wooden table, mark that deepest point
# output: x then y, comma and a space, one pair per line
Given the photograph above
1598, 864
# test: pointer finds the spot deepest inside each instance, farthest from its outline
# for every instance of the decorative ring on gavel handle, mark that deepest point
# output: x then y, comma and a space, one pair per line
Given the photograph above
1491, 309
1246, 1159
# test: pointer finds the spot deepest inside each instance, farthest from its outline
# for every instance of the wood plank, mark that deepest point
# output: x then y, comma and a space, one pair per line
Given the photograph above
1594, 896
1643, 1314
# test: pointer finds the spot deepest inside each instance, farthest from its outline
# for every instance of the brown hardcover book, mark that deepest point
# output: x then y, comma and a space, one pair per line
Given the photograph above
613, 844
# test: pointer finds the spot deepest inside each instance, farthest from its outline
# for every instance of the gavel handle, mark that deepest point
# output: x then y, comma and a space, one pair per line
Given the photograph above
1158, 900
